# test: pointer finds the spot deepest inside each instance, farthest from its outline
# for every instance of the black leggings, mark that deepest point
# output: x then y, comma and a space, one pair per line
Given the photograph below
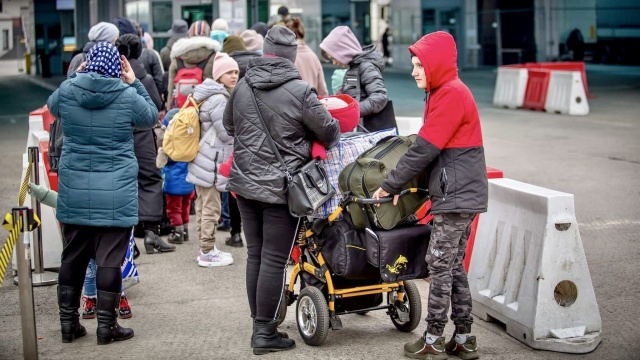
270, 232
108, 245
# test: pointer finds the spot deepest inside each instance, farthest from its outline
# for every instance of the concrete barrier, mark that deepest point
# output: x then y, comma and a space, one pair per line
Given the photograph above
511, 85
566, 94
529, 270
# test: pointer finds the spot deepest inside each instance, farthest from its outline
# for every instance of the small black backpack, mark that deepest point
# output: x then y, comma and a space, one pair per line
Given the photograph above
56, 138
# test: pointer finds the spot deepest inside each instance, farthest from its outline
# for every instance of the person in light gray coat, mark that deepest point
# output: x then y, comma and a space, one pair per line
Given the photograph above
215, 147
213, 152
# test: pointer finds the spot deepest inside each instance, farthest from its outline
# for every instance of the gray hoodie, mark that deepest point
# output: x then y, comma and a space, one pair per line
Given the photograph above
218, 145
367, 66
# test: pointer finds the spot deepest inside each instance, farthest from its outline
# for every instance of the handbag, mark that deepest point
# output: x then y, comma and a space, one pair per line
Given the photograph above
307, 188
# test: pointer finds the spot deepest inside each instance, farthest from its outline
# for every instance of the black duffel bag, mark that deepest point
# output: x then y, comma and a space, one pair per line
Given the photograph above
343, 248
399, 254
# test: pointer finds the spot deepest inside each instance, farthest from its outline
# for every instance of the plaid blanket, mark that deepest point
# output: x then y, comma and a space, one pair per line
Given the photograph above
343, 154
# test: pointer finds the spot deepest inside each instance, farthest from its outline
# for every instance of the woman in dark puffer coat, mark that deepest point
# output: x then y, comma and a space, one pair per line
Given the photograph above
295, 118
150, 196
97, 202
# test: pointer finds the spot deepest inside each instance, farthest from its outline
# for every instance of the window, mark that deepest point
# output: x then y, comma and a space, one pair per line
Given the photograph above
5, 39
138, 11
162, 14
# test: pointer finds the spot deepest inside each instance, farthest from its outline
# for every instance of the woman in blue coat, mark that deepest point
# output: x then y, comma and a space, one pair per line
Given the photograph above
97, 201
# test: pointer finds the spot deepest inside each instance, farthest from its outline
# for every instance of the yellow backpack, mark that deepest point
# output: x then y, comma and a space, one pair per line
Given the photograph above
182, 139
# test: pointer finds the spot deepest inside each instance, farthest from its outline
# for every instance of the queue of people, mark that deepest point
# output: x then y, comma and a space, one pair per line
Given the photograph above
120, 176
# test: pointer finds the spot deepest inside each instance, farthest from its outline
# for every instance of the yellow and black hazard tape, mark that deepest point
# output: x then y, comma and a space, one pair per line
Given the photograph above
15, 226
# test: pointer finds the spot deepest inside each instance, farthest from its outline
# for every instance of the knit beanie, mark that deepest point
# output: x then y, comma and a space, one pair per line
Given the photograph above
233, 43
222, 64
252, 40
218, 35
199, 28
343, 108
261, 28
125, 26
281, 42
220, 24
103, 31
341, 44
130, 46
179, 29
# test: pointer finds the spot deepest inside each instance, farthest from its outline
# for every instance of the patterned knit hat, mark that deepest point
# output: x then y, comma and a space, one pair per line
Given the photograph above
199, 28
103, 58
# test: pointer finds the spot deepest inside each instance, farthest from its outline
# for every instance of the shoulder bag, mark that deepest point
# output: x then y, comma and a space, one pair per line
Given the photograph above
307, 188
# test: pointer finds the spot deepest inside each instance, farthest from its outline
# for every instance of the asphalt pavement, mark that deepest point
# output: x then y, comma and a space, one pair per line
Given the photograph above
181, 311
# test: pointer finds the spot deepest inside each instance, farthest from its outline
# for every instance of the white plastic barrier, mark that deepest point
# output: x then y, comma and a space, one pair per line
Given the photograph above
566, 94
511, 85
529, 269
408, 125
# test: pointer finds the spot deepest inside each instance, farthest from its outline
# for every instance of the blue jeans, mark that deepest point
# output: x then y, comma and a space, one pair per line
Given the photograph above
226, 219
90, 279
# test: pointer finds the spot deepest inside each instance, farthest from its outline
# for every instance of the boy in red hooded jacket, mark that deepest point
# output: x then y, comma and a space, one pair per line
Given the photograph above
449, 152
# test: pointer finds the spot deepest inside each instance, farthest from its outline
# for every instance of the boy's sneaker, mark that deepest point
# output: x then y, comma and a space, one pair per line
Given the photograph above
124, 311
89, 307
466, 351
419, 349
214, 258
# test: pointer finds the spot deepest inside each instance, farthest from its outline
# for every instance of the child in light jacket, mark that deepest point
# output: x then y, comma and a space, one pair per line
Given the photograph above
215, 148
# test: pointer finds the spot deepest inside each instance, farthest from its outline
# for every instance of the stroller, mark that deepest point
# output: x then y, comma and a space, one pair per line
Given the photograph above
344, 270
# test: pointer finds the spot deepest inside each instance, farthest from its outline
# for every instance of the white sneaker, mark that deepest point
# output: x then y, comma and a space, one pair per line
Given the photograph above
224, 253
214, 258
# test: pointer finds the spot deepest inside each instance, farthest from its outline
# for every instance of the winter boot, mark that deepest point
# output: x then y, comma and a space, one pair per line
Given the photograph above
234, 240
266, 338
154, 241
108, 328
69, 302
177, 235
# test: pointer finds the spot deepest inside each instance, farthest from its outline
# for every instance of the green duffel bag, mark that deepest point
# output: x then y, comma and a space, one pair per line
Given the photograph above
364, 176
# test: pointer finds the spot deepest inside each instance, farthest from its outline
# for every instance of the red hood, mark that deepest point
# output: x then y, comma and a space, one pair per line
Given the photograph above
438, 55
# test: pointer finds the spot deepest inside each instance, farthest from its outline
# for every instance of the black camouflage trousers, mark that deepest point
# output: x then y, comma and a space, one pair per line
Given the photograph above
448, 279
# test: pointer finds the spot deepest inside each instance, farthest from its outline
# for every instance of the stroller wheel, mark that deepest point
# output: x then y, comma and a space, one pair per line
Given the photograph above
312, 315
406, 315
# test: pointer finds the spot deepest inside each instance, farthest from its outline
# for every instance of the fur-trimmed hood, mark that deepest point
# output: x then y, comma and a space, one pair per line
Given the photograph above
188, 48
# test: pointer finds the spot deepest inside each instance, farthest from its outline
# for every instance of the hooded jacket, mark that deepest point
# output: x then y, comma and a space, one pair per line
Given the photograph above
449, 144
366, 66
203, 170
242, 57
98, 168
147, 81
165, 52
294, 117
191, 51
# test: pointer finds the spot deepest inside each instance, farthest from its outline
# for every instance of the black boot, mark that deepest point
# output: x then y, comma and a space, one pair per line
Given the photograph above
266, 338
108, 328
186, 232
69, 302
234, 240
154, 241
177, 235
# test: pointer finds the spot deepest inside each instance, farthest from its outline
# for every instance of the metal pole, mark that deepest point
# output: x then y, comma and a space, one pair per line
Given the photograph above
25, 290
498, 38
40, 277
